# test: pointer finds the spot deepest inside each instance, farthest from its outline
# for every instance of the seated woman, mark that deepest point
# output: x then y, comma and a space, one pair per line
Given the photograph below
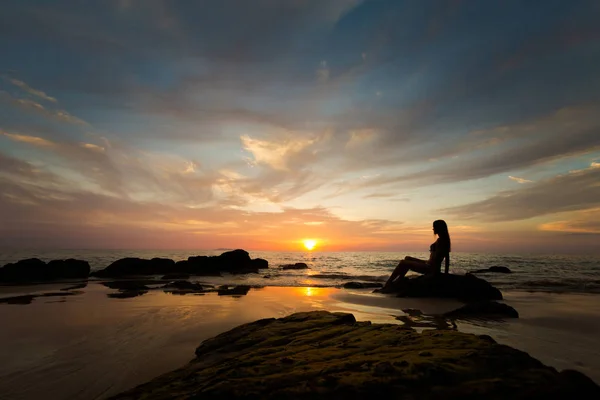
439, 251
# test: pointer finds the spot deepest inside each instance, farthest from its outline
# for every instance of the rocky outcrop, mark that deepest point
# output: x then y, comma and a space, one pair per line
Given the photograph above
361, 285
241, 290
234, 262
299, 265
496, 269
35, 270
322, 355
132, 266
462, 287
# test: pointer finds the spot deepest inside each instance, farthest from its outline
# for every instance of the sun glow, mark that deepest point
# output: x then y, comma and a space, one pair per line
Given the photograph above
309, 244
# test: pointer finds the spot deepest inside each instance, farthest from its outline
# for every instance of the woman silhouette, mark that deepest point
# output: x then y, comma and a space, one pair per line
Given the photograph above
439, 250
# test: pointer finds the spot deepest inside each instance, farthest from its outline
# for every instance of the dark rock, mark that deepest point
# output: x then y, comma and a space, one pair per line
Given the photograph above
176, 275
234, 262
35, 270
132, 266
267, 277
497, 269
24, 299
298, 357
361, 285
299, 265
484, 309
126, 285
75, 287
235, 291
462, 287
260, 263
184, 285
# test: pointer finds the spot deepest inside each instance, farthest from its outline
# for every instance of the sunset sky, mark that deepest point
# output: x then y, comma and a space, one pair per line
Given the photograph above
257, 124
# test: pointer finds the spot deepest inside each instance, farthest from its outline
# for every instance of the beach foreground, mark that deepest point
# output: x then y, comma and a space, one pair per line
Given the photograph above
90, 346
323, 355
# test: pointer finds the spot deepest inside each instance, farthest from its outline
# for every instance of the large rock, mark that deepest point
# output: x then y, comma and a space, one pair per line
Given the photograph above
361, 285
322, 355
132, 266
35, 270
462, 287
298, 265
235, 261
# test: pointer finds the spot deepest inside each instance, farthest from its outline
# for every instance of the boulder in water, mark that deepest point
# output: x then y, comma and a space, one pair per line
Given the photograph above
299, 265
497, 269
235, 261
462, 287
361, 285
241, 290
35, 270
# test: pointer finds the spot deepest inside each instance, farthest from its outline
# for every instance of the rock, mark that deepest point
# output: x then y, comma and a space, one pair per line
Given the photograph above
234, 262
299, 265
132, 266
498, 269
484, 309
462, 287
126, 285
299, 357
35, 270
175, 276
24, 299
361, 285
260, 263
235, 291
183, 287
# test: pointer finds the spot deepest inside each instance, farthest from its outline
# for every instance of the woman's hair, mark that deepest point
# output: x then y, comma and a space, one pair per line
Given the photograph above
440, 228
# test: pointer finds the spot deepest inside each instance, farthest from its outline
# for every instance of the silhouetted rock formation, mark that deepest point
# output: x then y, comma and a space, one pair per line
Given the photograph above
35, 270
235, 291
361, 285
234, 262
484, 309
462, 287
299, 265
322, 355
497, 269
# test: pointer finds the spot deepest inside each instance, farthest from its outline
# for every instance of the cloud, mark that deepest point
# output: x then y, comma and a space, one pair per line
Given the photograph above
34, 92
276, 154
577, 190
582, 222
34, 140
519, 180
31, 105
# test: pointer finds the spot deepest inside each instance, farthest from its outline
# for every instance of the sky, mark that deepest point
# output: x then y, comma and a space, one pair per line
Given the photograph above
166, 124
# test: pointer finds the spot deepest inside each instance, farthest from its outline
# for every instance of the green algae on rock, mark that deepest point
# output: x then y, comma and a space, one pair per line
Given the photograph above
323, 355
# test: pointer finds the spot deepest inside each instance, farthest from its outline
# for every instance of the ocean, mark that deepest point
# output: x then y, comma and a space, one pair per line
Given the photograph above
535, 273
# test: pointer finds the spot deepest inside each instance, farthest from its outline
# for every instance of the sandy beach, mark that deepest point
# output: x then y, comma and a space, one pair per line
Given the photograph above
89, 346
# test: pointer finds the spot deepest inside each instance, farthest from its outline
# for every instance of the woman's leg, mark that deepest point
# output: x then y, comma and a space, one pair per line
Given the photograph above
400, 270
404, 266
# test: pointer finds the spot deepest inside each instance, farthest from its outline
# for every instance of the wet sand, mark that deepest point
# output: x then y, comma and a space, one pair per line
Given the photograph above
89, 346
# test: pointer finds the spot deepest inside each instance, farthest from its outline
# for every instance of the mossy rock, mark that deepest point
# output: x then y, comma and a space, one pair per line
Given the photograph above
322, 355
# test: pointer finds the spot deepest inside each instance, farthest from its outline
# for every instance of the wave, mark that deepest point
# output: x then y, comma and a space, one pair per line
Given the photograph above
564, 285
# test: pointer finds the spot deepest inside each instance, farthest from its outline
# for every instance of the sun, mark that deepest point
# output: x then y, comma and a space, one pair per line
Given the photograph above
309, 244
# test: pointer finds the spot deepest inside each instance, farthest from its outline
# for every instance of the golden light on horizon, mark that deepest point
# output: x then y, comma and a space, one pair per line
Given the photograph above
309, 244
